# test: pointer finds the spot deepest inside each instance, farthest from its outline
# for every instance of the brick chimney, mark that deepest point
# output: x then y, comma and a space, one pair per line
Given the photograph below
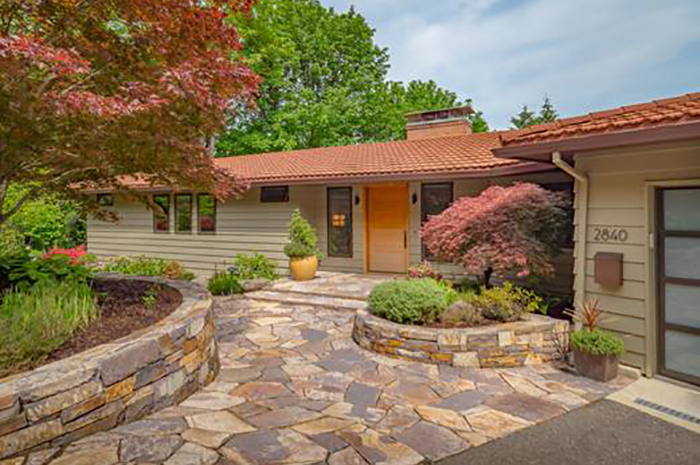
439, 123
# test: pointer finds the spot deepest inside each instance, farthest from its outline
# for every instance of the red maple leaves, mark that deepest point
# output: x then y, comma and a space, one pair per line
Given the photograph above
504, 230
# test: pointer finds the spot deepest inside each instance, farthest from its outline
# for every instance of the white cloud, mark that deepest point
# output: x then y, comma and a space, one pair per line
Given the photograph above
587, 55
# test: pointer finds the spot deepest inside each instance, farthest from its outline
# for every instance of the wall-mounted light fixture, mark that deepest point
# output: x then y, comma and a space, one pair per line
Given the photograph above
357, 199
414, 198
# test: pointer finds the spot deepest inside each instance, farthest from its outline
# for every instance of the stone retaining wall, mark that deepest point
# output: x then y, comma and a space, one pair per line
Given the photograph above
536, 340
113, 383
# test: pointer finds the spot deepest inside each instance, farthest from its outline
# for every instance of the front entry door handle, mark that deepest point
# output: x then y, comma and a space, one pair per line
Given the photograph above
405, 239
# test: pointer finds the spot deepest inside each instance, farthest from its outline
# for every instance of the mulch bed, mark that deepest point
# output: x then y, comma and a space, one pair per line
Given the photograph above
122, 311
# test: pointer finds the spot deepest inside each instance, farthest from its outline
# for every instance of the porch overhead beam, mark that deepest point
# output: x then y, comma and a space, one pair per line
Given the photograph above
582, 213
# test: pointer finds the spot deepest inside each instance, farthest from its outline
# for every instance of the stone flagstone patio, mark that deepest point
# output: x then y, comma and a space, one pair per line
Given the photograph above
295, 389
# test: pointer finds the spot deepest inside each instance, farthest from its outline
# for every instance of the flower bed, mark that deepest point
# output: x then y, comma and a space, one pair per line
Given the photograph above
536, 339
115, 382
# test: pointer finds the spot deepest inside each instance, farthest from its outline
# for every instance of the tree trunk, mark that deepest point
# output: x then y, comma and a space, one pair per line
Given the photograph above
487, 277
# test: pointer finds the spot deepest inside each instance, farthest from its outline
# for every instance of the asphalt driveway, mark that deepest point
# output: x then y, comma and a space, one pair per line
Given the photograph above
602, 433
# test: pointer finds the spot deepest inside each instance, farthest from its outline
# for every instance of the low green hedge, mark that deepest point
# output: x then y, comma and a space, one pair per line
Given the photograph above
414, 301
597, 342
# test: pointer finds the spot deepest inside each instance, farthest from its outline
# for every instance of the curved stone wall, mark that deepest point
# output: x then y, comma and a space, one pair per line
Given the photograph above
536, 340
113, 383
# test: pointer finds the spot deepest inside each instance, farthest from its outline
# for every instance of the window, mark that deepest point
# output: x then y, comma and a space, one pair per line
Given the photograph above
274, 194
161, 216
206, 212
435, 198
183, 213
340, 222
105, 200
567, 189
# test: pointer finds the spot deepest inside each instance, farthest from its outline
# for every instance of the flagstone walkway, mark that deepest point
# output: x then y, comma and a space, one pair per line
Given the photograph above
295, 389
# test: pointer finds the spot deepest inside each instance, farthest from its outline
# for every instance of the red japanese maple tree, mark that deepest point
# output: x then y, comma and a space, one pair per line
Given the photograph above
93, 93
514, 230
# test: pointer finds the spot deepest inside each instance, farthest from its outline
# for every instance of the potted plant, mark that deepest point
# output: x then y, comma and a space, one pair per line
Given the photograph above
302, 248
596, 353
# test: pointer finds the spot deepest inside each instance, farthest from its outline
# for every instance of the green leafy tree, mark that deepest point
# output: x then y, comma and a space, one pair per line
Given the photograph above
324, 82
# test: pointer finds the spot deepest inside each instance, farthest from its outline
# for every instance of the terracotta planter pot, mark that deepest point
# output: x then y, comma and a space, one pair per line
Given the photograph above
303, 269
598, 367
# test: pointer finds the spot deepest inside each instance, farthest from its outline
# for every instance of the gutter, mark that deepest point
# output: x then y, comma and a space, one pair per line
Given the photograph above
582, 213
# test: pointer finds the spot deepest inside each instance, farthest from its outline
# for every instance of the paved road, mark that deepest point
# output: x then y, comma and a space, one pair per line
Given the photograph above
602, 433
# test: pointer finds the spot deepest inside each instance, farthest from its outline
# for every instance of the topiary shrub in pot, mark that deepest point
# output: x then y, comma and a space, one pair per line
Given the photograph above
302, 248
596, 353
413, 301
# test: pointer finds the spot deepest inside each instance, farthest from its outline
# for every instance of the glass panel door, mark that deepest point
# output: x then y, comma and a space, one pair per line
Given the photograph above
678, 213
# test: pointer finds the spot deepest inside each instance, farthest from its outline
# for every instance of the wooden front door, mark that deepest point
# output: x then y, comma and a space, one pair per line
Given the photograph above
678, 250
387, 228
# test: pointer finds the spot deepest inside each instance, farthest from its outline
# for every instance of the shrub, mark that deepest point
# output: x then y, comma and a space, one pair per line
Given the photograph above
503, 231
303, 241
597, 342
462, 313
505, 303
26, 268
224, 284
40, 318
424, 270
415, 301
147, 266
256, 266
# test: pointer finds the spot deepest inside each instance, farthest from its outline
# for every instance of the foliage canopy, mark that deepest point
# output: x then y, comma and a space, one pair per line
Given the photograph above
324, 83
95, 92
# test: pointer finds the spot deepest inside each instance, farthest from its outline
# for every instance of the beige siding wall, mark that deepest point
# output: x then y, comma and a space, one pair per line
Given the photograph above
246, 226
243, 226
620, 186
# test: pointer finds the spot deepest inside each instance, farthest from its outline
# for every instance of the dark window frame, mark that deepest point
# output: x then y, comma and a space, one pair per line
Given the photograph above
329, 221
176, 226
272, 198
199, 217
662, 279
425, 254
156, 213
101, 197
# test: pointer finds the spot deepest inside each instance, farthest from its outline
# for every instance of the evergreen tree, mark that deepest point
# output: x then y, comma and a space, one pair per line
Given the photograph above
547, 113
524, 119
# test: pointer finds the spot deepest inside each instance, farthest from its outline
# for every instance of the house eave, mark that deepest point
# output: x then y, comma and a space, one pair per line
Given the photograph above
542, 151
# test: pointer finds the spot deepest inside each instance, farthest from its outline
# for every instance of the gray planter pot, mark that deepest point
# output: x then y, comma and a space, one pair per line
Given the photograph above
598, 367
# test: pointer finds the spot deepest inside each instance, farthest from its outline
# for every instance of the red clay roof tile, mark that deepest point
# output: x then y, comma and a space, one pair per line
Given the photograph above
449, 155
663, 112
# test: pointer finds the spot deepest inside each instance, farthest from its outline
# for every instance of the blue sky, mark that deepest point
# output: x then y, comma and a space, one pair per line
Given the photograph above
587, 55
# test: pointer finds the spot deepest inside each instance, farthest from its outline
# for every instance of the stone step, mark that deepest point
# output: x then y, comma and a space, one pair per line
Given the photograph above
313, 300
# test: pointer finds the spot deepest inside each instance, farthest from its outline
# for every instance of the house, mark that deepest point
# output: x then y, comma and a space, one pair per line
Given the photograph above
637, 251
366, 201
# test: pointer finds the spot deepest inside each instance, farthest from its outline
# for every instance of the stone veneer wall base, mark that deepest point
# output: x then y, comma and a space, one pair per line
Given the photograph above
114, 383
535, 340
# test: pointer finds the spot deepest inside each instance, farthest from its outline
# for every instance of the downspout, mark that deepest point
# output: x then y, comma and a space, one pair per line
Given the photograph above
582, 214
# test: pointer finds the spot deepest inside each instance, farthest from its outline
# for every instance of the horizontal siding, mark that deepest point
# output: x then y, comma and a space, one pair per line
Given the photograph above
243, 226
617, 199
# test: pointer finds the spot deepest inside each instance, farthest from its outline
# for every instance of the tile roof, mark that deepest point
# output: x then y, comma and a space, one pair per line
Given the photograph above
466, 155
658, 113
